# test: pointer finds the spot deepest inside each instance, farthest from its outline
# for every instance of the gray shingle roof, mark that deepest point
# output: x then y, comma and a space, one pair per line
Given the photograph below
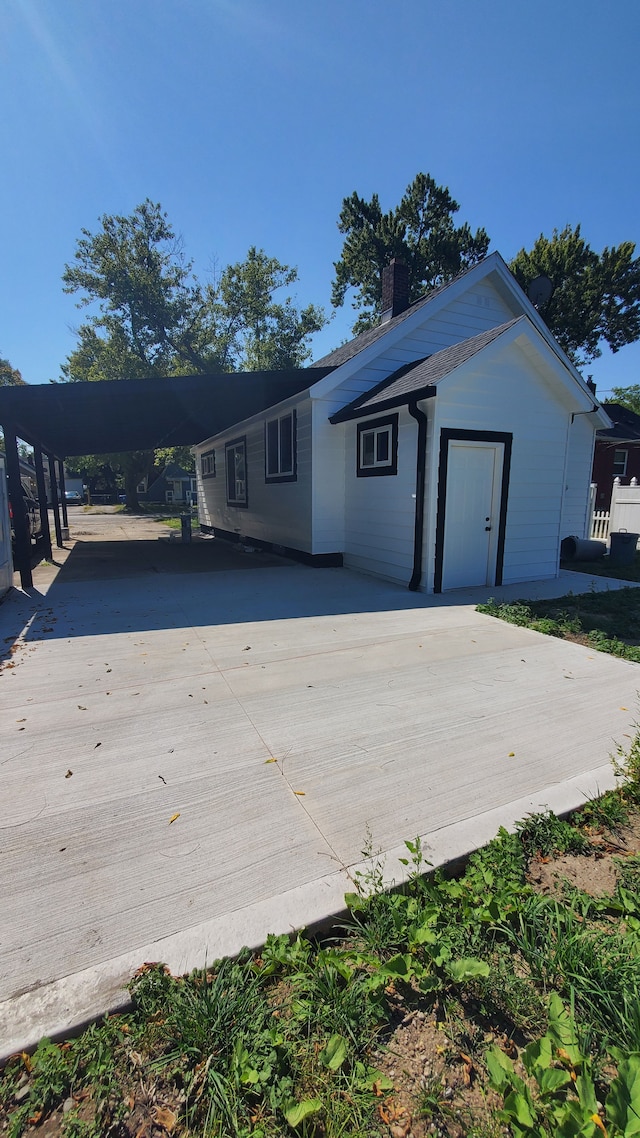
626, 424
415, 379
353, 347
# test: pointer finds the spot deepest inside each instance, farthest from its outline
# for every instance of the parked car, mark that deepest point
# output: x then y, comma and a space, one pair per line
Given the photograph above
34, 522
73, 497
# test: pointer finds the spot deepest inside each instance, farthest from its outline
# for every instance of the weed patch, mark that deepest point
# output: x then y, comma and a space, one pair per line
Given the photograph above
607, 622
453, 1005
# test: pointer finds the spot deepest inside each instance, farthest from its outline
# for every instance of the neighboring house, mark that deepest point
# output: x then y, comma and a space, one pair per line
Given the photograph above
617, 453
173, 485
450, 446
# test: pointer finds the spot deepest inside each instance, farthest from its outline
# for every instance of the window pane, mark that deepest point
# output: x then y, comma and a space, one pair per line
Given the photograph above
231, 473
236, 474
272, 447
368, 451
620, 462
286, 445
382, 446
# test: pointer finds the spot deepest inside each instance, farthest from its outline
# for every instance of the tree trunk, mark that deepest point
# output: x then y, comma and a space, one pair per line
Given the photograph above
131, 477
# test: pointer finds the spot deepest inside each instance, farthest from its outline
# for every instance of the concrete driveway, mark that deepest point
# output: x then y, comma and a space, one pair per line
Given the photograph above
194, 752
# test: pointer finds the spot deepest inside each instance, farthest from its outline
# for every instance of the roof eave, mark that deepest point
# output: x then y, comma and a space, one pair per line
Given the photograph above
351, 412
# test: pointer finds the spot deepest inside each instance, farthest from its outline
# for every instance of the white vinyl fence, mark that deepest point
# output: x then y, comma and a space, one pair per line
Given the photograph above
623, 515
625, 507
599, 525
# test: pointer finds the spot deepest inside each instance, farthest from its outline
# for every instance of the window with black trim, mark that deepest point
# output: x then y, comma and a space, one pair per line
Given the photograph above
208, 464
280, 448
236, 466
620, 458
378, 447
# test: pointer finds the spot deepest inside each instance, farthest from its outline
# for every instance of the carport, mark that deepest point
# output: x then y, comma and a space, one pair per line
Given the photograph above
60, 420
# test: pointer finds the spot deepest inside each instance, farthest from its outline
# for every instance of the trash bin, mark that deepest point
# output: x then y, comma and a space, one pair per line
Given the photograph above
623, 547
185, 527
581, 549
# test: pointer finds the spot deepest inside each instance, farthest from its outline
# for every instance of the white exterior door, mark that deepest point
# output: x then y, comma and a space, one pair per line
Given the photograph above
472, 513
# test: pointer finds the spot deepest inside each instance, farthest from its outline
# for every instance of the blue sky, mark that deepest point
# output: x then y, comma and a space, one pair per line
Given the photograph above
251, 120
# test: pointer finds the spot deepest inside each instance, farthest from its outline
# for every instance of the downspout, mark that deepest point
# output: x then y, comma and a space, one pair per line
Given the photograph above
421, 466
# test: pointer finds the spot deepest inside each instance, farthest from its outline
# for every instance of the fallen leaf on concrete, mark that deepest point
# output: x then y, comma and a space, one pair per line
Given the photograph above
68, 774
300, 793
511, 755
173, 817
81, 708
247, 649
270, 761
24, 719
97, 745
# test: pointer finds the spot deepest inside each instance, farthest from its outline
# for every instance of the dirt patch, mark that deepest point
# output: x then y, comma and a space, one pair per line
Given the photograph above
437, 1086
440, 1087
597, 876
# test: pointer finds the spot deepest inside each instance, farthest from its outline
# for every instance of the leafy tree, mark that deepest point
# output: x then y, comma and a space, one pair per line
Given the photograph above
150, 307
178, 456
596, 296
261, 333
9, 376
627, 397
151, 317
420, 231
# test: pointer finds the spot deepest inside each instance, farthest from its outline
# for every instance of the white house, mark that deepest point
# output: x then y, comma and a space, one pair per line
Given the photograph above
450, 446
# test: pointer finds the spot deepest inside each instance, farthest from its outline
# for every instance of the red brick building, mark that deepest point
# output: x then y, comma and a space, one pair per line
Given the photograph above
617, 453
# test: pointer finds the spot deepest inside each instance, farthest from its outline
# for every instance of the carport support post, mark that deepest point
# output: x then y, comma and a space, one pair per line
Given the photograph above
42, 498
63, 499
20, 524
54, 501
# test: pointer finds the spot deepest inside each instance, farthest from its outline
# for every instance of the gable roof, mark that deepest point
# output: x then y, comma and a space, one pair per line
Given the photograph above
626, 424
353, 347
417, 380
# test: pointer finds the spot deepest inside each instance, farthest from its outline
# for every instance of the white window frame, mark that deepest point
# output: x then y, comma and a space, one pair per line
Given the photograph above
236, 493
277, 472
208, 464
377, 429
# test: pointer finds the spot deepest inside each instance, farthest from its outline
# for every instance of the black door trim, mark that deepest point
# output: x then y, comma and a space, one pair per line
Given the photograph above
446, 435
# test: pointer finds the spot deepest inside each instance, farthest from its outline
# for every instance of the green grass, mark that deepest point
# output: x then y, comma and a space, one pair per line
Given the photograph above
605, 567
607, 622
176, 524
281, 1042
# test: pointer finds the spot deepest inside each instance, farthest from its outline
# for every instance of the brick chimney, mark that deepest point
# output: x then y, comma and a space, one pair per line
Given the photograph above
395, 289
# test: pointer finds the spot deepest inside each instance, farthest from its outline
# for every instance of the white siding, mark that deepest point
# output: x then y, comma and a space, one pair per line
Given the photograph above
504, 392
576, 520
278, 512
380, 511
328, 447
477, 310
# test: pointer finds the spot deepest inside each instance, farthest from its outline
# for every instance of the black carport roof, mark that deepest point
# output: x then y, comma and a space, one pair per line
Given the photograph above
67, 419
